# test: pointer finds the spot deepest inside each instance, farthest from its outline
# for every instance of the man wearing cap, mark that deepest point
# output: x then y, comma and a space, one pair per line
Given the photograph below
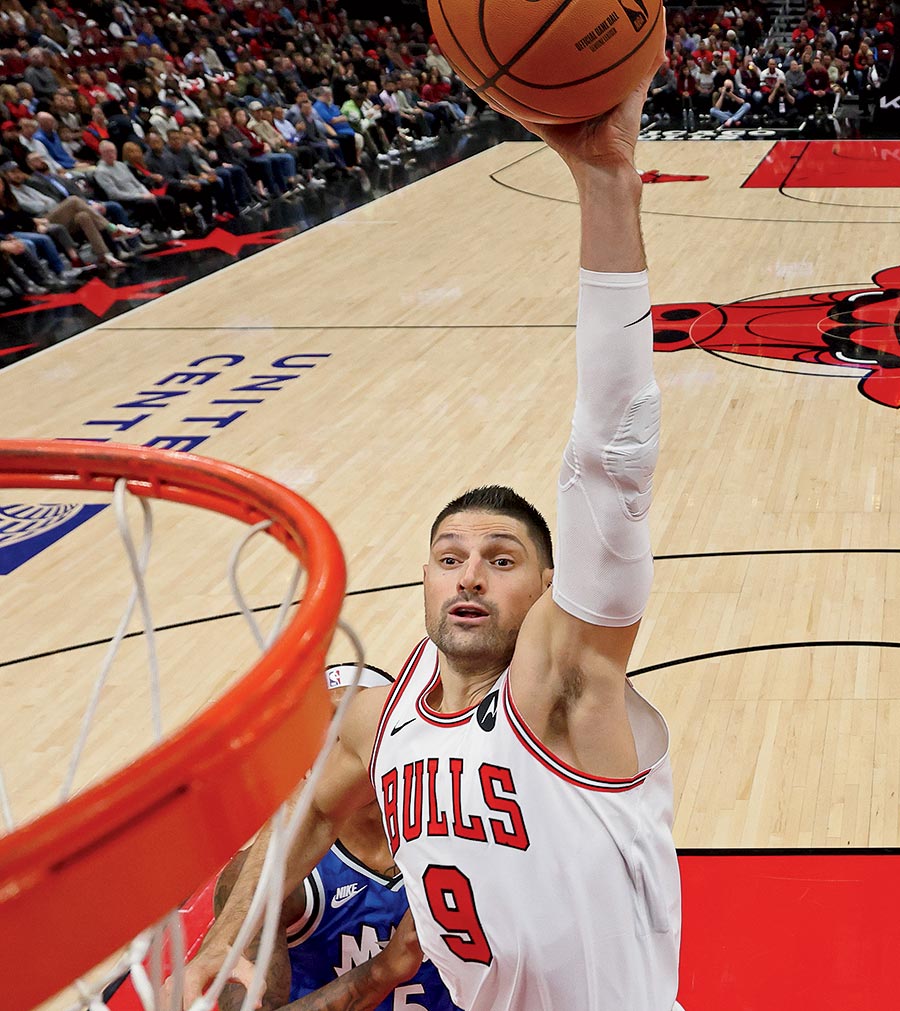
12, 148
338, 923
162, 117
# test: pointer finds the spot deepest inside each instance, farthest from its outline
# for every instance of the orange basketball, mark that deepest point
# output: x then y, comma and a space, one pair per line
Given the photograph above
551, 61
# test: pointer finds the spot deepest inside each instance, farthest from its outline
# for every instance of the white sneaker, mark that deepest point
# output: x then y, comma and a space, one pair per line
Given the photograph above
382, 159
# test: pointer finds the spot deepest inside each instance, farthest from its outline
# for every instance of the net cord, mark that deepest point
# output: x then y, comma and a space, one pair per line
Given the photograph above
269, 892
270, 887
264, 642
138, 562
153, 992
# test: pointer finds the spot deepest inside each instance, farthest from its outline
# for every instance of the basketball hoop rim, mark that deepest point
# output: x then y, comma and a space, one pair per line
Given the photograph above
222, 773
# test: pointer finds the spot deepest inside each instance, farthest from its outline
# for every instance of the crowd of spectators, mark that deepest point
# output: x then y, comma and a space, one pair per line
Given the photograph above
123, 127
727, 67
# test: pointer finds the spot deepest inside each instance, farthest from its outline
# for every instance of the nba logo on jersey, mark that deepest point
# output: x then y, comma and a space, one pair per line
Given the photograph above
26, 530
334, 678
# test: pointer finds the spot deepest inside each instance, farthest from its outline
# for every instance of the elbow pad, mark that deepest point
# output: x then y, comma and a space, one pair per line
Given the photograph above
604, 563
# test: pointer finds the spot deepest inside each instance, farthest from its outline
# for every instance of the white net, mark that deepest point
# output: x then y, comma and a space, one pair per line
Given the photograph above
152, 966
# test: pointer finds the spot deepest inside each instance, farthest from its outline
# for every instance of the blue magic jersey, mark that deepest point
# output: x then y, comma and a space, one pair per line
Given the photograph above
351, 913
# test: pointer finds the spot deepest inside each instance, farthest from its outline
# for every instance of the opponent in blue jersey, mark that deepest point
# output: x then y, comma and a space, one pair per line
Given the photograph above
343, 915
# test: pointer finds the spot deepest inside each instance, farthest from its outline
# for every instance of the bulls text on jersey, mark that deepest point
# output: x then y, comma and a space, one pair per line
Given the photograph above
414, 801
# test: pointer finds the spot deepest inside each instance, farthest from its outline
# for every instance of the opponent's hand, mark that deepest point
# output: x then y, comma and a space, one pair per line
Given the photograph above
202, 970
403, 954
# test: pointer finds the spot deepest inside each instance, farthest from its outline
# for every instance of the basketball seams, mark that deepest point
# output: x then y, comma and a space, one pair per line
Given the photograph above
498, 91
590, 77
503, 68
462, 49
528, 108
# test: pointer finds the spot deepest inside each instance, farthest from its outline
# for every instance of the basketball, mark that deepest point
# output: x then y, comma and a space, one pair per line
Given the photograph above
551, 61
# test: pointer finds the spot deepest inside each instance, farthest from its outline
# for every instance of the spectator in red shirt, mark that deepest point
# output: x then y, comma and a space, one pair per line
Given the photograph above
686, 88
803, 32
86, 86
817, 82
14, 107
96, 131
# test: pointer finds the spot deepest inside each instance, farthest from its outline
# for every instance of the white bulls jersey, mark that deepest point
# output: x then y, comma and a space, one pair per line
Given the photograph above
534, 887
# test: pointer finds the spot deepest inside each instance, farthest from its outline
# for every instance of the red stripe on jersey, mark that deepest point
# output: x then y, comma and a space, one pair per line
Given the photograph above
556, 765
432, 716
390, 703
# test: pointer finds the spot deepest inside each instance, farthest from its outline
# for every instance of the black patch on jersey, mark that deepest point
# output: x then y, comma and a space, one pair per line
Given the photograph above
486, 714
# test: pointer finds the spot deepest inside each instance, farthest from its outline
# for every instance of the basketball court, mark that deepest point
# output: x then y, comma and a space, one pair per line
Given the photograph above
384, 361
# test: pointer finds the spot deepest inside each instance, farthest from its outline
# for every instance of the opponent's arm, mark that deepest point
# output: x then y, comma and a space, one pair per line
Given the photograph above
343, 789
366, 986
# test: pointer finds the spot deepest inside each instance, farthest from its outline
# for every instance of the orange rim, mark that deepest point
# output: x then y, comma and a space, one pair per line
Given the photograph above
148, 835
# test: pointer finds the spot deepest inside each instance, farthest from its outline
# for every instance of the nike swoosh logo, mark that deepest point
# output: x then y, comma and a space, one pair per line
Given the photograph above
400, 726
336, 902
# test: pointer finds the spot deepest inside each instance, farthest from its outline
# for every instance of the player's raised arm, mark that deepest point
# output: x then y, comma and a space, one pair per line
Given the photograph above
343, 789
604, 564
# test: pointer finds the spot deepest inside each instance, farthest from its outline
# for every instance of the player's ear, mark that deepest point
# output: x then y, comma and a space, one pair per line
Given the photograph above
547, 578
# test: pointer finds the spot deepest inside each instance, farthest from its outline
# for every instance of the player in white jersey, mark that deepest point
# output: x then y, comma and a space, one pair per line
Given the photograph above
524, 785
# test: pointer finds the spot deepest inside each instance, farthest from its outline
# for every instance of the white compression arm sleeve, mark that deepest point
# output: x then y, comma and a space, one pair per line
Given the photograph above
604, 566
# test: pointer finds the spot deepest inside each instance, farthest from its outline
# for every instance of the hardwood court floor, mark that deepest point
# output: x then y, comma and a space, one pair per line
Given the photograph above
424, 344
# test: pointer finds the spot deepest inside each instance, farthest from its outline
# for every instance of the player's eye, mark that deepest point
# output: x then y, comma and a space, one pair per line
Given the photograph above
448, 560
503, 563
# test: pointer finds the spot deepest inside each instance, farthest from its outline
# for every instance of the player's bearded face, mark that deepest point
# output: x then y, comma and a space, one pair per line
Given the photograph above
481, 579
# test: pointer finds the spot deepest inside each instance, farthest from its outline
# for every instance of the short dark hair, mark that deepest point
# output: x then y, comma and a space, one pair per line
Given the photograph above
496, 498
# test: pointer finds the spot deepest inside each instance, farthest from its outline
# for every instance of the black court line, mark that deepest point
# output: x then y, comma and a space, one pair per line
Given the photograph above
187, 623
776, 551
821, 203
755, 168
683, 214
681, 556
764, 648
829, 203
